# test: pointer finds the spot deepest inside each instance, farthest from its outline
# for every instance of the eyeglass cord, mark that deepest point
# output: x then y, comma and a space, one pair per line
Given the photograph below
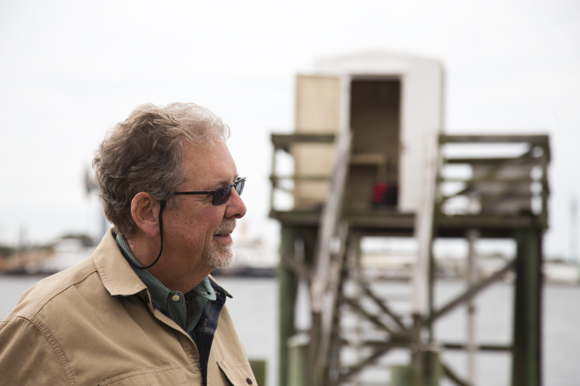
162, 206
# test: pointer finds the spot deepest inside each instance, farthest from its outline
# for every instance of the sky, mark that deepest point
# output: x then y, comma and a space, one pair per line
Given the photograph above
70, 70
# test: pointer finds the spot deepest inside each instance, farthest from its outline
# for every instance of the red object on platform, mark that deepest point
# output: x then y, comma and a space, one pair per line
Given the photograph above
379, 193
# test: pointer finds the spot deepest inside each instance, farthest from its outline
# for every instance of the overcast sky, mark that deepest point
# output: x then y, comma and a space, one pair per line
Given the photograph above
69, 70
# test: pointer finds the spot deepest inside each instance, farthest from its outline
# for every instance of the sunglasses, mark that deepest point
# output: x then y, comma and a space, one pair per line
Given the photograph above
222, 195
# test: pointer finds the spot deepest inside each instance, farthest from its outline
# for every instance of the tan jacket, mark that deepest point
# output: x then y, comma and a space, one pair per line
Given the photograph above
94, 324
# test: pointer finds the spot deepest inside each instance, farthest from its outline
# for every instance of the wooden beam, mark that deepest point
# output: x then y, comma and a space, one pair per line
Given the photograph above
284, 141
481, 347
373, 318
470, 293
491, 199
359, 367
330, 218
379, 302
452, 376
507, 181
483, 161
421, 282
288, 286
527, 328
540, 139
490, 175
300, 178
297, 268
401, 224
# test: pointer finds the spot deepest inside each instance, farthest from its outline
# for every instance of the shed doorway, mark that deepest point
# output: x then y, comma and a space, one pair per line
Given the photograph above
375, 121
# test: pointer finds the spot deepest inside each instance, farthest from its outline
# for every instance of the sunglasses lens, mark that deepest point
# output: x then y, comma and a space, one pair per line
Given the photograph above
240, 186
221, 195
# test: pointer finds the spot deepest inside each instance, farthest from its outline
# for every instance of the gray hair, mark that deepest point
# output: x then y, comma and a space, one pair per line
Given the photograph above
144, 154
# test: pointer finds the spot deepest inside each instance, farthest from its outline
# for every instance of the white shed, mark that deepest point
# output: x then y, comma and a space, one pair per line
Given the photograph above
391, 103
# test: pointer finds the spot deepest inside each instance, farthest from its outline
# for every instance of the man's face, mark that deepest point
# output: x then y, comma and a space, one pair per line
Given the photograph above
197, 233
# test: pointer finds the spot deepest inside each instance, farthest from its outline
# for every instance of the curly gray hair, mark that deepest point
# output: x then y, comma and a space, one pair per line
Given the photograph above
144, 153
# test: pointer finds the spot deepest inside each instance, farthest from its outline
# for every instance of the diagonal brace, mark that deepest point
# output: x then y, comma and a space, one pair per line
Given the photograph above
470, 293
384, 307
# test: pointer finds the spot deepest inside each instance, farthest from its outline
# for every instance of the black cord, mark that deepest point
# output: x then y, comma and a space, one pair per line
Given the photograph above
162, 206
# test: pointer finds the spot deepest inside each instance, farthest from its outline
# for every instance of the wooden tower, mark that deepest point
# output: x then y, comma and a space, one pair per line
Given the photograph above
368, 162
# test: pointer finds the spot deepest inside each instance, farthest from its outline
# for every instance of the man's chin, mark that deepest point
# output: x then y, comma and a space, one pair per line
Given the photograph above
220, 257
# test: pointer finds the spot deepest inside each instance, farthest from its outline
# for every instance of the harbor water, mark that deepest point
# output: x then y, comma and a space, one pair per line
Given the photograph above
255, 310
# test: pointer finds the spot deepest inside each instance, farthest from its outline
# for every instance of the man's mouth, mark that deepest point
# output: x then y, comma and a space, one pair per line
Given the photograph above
226, 228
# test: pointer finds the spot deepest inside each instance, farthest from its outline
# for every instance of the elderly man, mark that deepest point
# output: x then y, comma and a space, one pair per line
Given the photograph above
143, 310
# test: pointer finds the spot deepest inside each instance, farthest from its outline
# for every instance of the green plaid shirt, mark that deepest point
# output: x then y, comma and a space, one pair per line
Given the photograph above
197, 312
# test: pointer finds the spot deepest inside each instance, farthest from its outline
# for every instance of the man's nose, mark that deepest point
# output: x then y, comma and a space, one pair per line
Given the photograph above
236, 207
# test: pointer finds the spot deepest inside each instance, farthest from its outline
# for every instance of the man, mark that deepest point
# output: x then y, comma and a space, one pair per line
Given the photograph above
143, 310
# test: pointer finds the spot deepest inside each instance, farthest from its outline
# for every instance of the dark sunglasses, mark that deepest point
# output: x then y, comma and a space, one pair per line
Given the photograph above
222, 195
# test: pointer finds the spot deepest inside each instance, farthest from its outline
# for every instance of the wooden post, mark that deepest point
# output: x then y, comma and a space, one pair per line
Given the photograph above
288, 285
472, 237
424, 236
354, 268
297, 355
259, 369
432, 370
528, 309
404, 375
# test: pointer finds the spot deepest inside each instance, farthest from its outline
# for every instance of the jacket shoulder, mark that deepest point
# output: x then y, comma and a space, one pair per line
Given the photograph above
28, 348
36, 297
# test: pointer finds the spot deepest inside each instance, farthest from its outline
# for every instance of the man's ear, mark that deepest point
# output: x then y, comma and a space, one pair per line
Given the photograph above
145, 213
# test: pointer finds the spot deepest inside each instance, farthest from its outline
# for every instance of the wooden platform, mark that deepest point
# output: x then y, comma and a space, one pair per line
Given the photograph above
389, 223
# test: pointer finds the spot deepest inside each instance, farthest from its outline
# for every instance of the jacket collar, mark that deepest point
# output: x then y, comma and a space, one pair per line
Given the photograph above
117, 275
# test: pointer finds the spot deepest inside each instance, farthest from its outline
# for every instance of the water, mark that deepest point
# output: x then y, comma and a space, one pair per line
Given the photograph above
255, 310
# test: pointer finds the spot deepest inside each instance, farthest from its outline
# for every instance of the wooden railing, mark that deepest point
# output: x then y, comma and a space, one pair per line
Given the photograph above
498, 185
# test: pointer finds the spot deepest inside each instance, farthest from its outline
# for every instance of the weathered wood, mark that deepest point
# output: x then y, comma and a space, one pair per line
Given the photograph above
490, 175
385, 221
470, 293
397, 340
527, 344
482, 160
330, 216
424, 229
480, 347
329, 324
361, 366
472, 237
259, 369
295, 267
432, 370
297, 356
453, 377
401, 224
354, 303
273, 181
404, 375
288, 285
379, 302
540, 139
507, 191
284, 141
423, 232
506, 181
275, 178
545, 191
